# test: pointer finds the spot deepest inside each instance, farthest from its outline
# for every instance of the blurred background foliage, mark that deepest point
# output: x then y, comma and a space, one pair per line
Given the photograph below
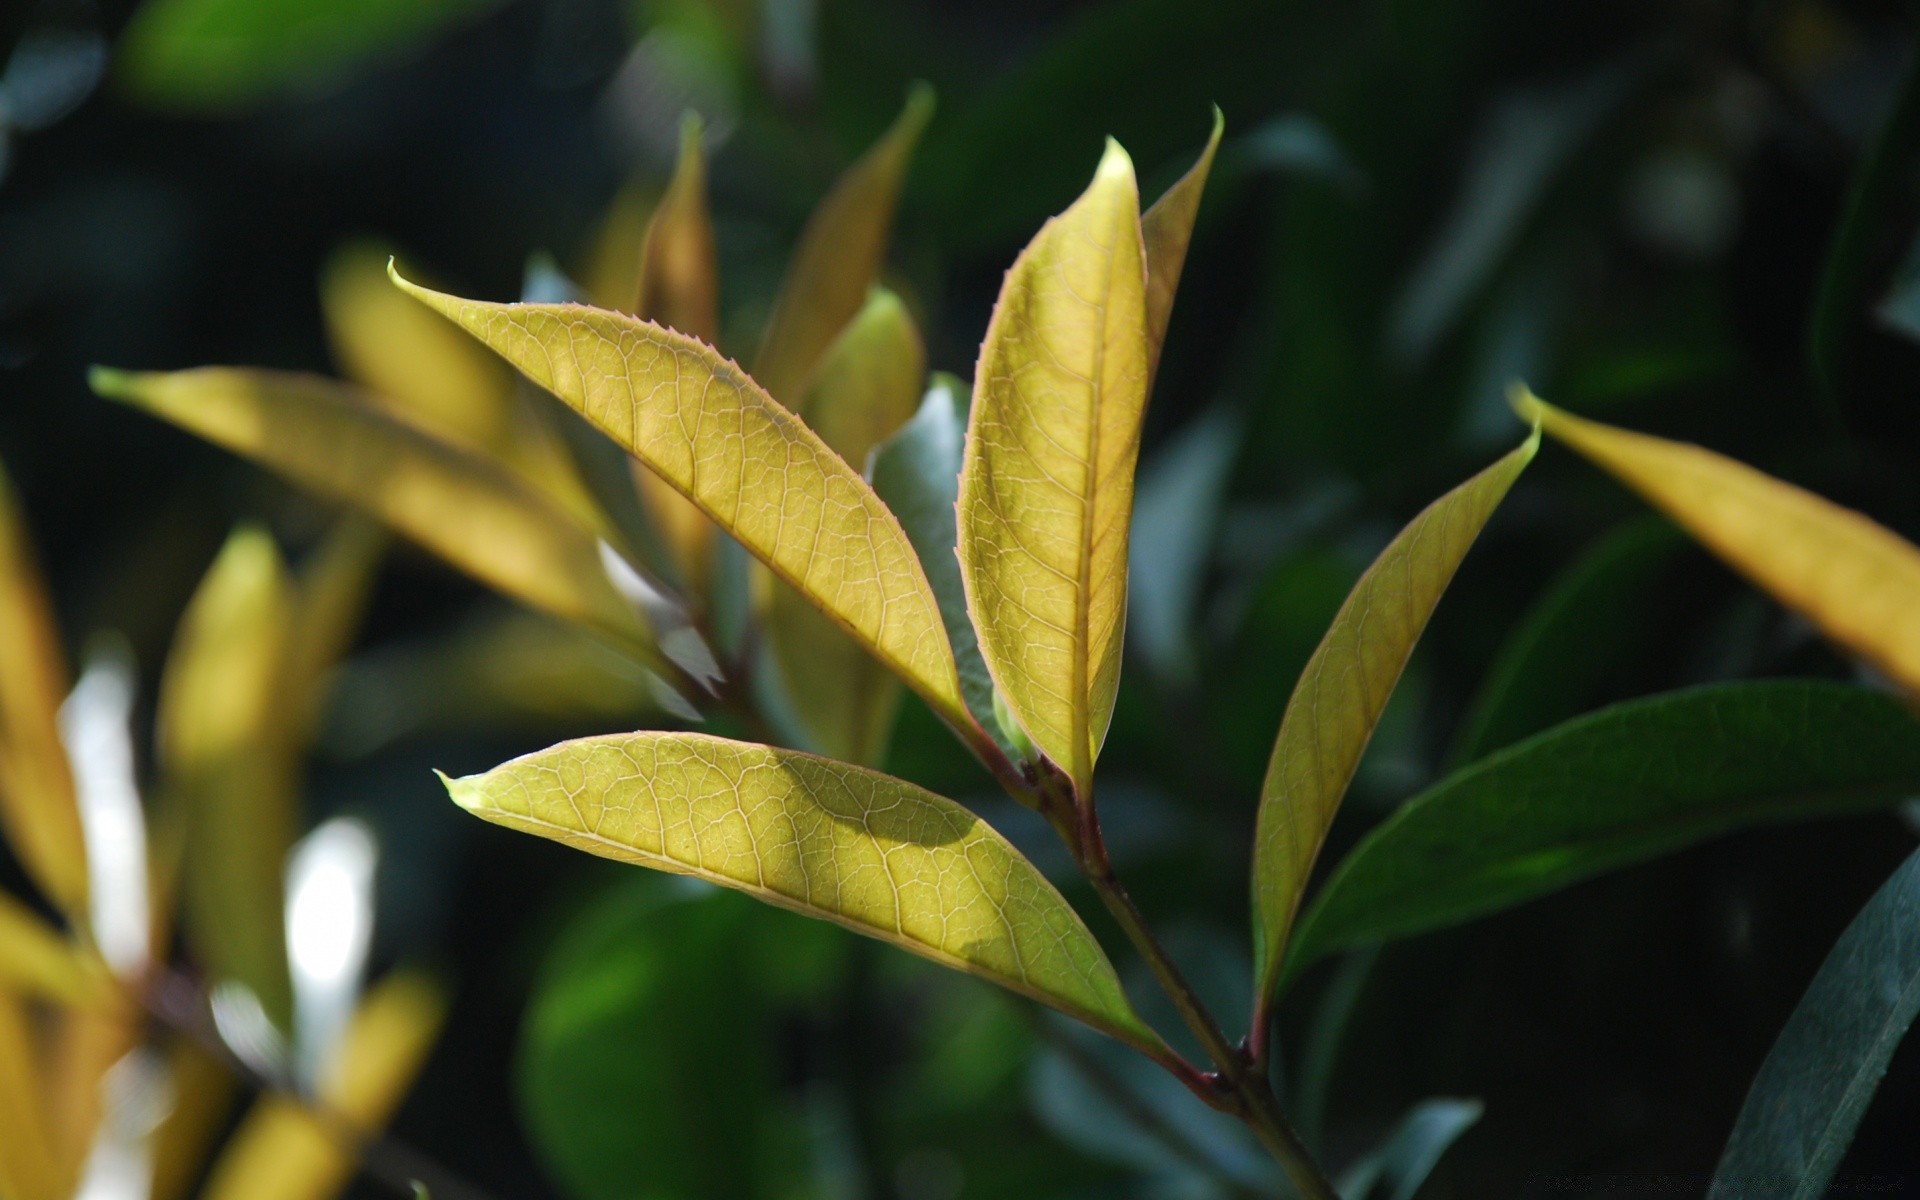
1635, 206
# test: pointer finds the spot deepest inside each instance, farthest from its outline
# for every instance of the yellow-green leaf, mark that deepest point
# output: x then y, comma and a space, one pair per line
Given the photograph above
417, 369
36, 960
679, 288
755, 468
38, 809
202, 1089
332, 598
867, 387
1167, 228
1046, 492
826, 839
326, 436
30, 1162
1854, 579
1345, 687
284, 1152
224, 746
840, 252
610, 274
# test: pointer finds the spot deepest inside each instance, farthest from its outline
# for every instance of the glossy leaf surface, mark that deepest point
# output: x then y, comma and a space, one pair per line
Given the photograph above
326, 436
1611, 788
1344, 689
1047, 492
867, 851
755, 468
1858, 581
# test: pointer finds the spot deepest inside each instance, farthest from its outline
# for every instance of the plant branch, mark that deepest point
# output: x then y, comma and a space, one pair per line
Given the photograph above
1238, 1088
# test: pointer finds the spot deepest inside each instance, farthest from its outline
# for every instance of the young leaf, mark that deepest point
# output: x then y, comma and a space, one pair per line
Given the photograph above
416, 369
1611, 788
826, 839
1856, 580
839, 254
283, 1152
1818, 1079
1047, 491
1345, 687
680, 289
325, 435
755, 468
1166, 228
38, 811
866, 388
225, 745
917, 473
35, 960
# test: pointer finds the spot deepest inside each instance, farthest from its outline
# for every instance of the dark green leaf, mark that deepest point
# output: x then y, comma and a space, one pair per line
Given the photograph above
1618, 786
1822, 1072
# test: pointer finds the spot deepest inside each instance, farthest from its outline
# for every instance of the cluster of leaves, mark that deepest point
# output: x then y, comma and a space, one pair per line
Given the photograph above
975, 550
115, 1069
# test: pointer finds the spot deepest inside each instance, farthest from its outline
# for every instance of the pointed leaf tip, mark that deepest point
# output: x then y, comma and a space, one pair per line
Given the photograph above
464, 791
1527, 406
1115, 162
110, 382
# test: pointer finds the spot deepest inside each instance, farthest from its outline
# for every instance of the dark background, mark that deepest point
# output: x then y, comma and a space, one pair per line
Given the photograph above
1630, 205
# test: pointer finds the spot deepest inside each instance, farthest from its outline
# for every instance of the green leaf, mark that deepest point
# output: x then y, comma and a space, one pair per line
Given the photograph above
328, 437
1804, 1106
617, 1109
1396, 1170
838, 256
1047, 492
39, 811
218, 55
1619, 786
917, 473
697, 420
866, 388
1342, 693
1573, 639
870, 852
225, 729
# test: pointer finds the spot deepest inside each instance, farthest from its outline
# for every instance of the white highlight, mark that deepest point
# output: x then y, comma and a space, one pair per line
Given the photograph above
95, 729
329, 931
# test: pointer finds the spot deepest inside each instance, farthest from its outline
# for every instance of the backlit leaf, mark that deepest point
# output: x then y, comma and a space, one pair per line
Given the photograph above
838, 256
1804, 1106
38, 811
1166, 228
1858, 581
326, 436
283, 1152
225, 749
427, 375
1614, 787
1344, 689
866, 388
826, 839
203, 1090
1047, 492
330, 601
755, 468
680, 288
